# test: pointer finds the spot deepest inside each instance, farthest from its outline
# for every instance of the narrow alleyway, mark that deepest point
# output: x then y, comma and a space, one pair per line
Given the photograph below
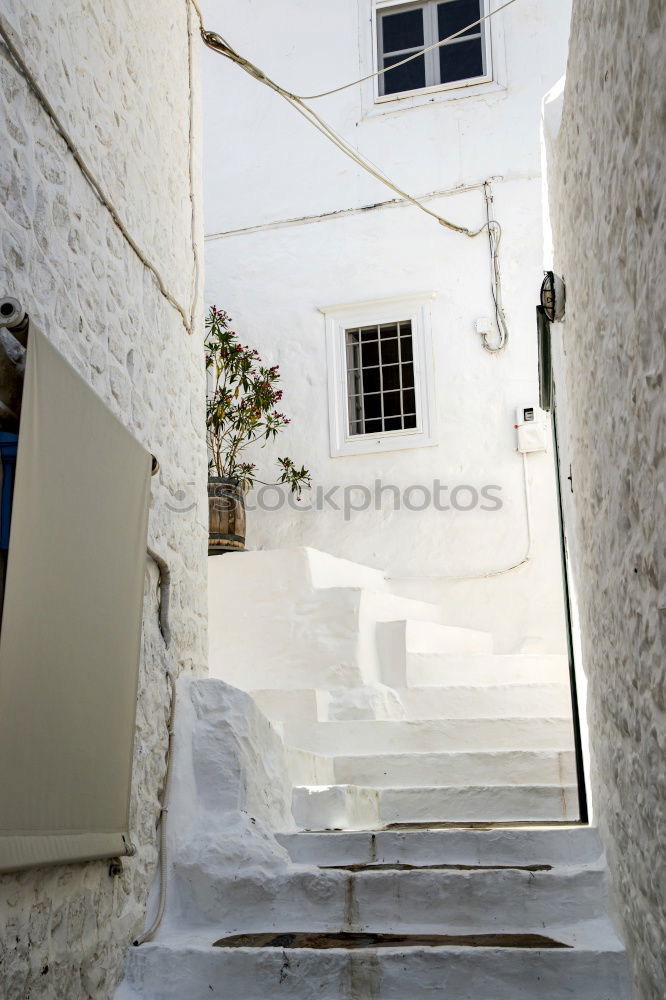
404, 827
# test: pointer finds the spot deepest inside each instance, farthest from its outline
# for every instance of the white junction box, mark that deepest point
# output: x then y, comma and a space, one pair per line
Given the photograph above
531, 429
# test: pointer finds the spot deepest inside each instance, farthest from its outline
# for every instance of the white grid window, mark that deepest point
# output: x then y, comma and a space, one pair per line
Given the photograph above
403, 30
380, 378
381, 391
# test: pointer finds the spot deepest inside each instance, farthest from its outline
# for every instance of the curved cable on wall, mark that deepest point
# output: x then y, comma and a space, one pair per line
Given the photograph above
162, 820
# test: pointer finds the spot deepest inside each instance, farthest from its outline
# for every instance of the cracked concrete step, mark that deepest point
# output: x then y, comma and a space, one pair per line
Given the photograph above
500, 767
430, 735
579, 845
354, 807
594, 970
419, 901
425, 669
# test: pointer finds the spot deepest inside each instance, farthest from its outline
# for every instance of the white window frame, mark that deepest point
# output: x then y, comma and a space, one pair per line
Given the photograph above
430, 37
340, 318
374, 103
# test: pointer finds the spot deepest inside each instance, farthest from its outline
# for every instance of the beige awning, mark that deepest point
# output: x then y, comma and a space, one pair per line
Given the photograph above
71, 630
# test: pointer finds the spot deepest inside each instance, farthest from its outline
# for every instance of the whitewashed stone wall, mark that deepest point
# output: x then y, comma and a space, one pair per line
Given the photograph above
607, 183
118, 74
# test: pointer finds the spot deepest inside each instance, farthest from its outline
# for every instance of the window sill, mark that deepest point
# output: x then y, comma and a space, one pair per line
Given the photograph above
369, 444
393, 103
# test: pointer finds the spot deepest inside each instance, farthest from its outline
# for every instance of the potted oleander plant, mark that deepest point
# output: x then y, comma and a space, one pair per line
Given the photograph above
241, 411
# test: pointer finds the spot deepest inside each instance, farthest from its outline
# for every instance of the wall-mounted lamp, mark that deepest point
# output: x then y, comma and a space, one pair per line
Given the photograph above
553, 297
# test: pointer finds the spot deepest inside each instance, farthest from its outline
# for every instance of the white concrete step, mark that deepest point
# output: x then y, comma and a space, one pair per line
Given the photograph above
367, 702
561, 845
491, 701
437, 670
594, 969
499, 767
444, 900
355, 807
399, 639
430, 735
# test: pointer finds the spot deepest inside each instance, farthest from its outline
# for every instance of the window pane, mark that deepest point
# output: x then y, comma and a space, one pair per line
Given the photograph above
390, 352
369, 333
408, 375
373, 406
352, 336
371, 381
453, 16
408, 401
461, 61
370, 354
353, 356
403, 31
410, 421
408, 77
388, 331
372, 426
393, 424
391, 377
406, 348
355, 427
392, 405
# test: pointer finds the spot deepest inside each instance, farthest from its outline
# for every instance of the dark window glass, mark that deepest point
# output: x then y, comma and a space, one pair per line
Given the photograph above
461, 61
379, 394
373, 406
403, 31
371, 381
392, 407
390, 354
372, 426
453, 16
391, 377
408, 375
371, 355
411, 76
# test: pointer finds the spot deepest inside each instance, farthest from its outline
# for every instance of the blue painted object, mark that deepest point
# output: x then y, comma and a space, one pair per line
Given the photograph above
8, 449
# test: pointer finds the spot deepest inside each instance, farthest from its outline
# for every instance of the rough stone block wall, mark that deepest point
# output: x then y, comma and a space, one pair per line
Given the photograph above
607, 199
123, 77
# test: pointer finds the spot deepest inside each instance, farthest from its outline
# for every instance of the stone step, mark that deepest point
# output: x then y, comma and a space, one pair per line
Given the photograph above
594, 969
381, 702
474, 670
397, 640
561, 845
356, 807
500, 767
430, 735
479, 900
491, 701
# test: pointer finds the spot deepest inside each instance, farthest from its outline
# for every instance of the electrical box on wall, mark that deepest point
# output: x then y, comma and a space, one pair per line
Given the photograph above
531, 429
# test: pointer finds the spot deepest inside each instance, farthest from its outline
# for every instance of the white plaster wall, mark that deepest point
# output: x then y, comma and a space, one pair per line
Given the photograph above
119, 75
273, 283
606, 194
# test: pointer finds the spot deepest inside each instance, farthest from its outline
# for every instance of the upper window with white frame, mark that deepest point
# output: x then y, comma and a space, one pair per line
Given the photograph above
380, 375
404, 29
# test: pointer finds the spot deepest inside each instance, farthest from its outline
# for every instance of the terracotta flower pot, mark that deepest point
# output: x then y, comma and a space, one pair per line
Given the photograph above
226, 516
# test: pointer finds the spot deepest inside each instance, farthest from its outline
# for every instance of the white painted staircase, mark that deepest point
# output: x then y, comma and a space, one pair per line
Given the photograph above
392, 714
421, 747
445, 914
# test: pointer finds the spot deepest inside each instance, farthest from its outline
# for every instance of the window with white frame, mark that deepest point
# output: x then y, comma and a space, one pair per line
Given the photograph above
404, 29
380, 375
